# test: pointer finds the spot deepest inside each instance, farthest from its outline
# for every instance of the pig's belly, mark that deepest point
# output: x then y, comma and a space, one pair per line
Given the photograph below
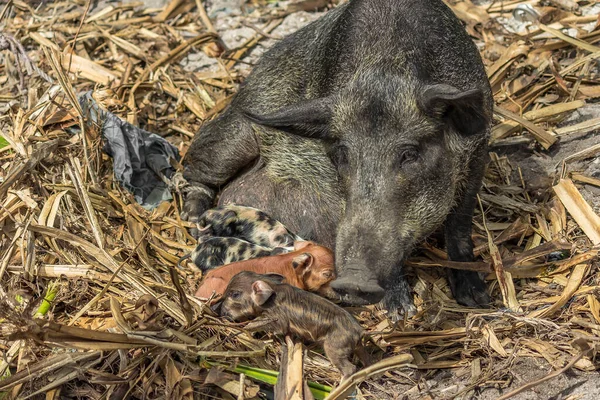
302, 209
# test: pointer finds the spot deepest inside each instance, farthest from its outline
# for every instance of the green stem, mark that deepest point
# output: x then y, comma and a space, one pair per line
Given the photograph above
48, 299
319, 391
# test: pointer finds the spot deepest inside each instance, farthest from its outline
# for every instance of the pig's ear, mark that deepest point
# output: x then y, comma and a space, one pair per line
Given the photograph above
278, 278
261, 292
463, 109
228, 215
300, 244
308, 118
303, 261
278, 250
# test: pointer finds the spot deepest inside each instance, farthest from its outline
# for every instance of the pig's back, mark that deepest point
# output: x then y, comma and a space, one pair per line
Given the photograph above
314, 317
280, 264
423, 39
420, 38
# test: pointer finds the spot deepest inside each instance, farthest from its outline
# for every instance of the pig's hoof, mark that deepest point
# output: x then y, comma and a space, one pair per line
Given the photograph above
399, 306
471, 291
178, 183
472, 297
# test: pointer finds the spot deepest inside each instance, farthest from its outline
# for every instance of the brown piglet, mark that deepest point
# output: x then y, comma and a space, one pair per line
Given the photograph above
309, 267
286, 310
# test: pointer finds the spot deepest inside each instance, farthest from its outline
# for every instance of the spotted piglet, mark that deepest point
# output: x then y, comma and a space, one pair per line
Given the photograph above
213, 252
246, 223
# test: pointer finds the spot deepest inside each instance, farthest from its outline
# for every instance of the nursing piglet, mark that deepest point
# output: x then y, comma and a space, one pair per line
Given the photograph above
309, 267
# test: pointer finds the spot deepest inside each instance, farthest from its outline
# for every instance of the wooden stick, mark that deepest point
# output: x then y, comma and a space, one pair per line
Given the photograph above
579, 209
346, 387
544, 138
571, 40
204, 17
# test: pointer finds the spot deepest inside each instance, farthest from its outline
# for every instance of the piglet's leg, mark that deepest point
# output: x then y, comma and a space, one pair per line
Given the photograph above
363, 355
339, 354
218, 152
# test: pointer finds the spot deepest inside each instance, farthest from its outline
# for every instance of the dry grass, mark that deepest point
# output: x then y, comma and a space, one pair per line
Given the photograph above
112, 325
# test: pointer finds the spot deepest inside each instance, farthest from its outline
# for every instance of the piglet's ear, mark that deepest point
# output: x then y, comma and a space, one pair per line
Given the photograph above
300, 244
303, 262
278, 278
309, 118
463, 109
229, 214
279, 250
261, 292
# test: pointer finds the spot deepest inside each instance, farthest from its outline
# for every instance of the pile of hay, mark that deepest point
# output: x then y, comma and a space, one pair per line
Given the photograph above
87, 308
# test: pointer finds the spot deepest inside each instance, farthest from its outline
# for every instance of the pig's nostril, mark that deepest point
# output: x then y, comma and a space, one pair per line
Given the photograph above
356, 291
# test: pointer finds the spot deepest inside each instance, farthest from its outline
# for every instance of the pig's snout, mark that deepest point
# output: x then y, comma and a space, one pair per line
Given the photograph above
357, 287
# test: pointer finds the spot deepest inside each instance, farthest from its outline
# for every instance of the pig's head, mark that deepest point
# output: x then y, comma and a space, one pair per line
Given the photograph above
246, 295
315, 267
400, 149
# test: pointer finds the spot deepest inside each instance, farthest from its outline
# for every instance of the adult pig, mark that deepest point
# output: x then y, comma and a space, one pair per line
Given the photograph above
366, 130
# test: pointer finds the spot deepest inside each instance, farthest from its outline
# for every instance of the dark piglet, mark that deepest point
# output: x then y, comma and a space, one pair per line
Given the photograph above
283, 309
246, 223
364, 131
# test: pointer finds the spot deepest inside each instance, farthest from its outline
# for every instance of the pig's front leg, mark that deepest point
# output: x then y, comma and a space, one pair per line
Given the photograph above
398, 300
218, 152
468, 288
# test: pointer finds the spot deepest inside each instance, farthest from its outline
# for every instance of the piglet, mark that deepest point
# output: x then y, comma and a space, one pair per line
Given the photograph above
216, 251
309, 267
246, 223
286, 310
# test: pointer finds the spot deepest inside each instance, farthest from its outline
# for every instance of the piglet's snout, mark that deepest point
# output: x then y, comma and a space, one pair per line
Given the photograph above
358, 286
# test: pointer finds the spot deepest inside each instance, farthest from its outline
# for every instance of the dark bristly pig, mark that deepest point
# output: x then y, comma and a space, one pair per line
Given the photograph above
283, 309
366, 130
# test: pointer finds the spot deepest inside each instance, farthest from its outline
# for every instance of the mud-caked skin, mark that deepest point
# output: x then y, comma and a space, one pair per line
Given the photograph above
246, 223
213, 252
366, 130
288, 310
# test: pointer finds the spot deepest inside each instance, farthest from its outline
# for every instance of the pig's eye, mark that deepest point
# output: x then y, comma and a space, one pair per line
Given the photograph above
235, 295
407, 156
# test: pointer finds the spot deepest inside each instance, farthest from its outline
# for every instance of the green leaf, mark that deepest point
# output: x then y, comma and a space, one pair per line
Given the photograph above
268, 376
3, 142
